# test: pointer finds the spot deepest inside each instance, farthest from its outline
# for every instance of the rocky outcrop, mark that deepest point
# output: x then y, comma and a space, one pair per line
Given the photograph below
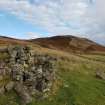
30, 73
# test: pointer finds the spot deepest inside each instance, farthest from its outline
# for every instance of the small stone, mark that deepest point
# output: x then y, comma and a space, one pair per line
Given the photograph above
9, 86
100, 75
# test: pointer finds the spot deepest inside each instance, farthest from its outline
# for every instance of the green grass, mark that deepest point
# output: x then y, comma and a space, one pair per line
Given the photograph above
83, 89
80, 86
10, 98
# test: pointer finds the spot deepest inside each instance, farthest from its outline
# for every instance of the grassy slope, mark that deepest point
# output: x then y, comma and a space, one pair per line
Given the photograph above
76, 76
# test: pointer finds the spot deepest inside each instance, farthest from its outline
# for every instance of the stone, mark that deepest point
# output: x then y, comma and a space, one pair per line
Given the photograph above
100, 75
23, 93
17, 72
39, 70
9, 86
2, 90
2, 69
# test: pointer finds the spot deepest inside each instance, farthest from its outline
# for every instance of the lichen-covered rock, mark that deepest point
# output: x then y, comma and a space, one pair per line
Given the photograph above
21, 90
17, 72
9, 86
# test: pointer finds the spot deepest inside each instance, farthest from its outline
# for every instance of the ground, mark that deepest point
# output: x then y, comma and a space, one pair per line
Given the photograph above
76, 82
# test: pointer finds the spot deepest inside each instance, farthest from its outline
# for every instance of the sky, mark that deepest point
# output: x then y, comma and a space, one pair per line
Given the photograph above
26, 19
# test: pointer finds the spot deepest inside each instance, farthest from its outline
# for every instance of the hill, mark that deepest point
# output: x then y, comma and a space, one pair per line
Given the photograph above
6, 40
63, 43
69, 44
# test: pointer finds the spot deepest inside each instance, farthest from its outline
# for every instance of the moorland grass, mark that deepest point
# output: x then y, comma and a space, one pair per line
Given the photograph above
78, 83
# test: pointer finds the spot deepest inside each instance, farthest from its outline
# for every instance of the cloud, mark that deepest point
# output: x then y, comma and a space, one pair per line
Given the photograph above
75, 17
53, 15
33, 35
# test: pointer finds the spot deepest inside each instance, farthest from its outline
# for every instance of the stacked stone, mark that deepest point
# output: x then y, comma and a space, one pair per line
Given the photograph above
2, 70
43, 72
32, 71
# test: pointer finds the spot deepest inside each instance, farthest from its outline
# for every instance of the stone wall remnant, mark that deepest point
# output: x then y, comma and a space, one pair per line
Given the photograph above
29, 72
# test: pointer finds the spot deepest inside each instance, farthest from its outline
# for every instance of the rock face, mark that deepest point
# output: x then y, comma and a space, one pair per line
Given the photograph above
30, 73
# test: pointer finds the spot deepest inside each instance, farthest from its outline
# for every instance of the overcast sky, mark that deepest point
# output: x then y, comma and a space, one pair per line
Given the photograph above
39, 18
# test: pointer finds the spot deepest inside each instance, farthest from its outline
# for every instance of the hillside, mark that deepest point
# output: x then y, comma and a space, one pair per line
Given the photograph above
69, 44
63, 43
79, 78
6, 40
